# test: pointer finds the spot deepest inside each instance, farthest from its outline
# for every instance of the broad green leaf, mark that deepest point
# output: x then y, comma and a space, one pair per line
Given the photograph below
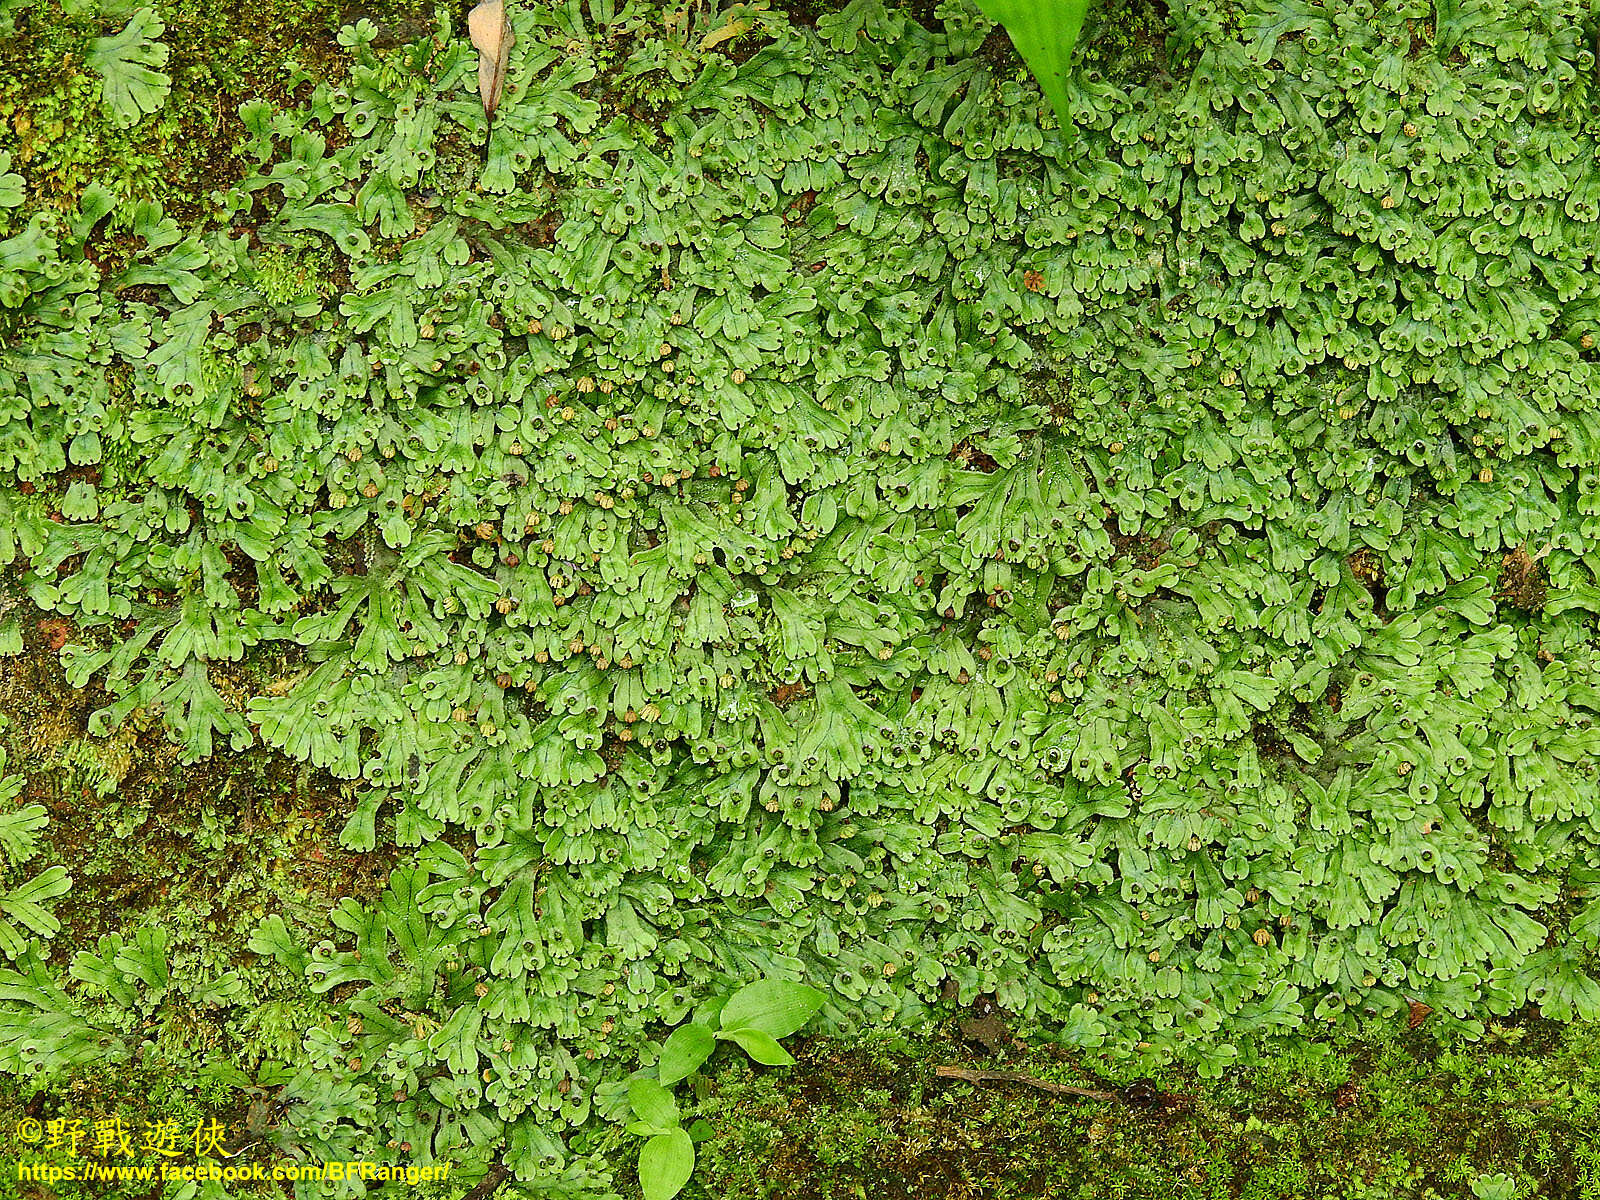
1044, 33
709, 1012
684, 1051
665, 1164
652, 1103
760, 1046
775, 1007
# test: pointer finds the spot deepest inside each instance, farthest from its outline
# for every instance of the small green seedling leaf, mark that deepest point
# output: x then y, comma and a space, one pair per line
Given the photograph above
1494, 1187
1044, 33
652, 1103
775, 1007
685, 1051
665, 1164
760, 1046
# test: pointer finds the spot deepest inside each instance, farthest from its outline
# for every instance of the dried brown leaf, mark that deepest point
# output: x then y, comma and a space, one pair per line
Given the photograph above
492, 38
731, 30
740, 21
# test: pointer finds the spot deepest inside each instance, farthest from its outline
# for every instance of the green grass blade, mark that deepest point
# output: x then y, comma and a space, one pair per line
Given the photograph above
1044, 33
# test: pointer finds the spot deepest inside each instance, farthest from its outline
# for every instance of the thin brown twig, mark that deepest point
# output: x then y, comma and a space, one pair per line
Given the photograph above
1060, 1089
497, 1175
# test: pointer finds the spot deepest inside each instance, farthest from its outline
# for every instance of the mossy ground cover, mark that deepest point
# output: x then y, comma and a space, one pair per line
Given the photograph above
787, 507
62, 136
202, 853
1391, 1113
1389, 1116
